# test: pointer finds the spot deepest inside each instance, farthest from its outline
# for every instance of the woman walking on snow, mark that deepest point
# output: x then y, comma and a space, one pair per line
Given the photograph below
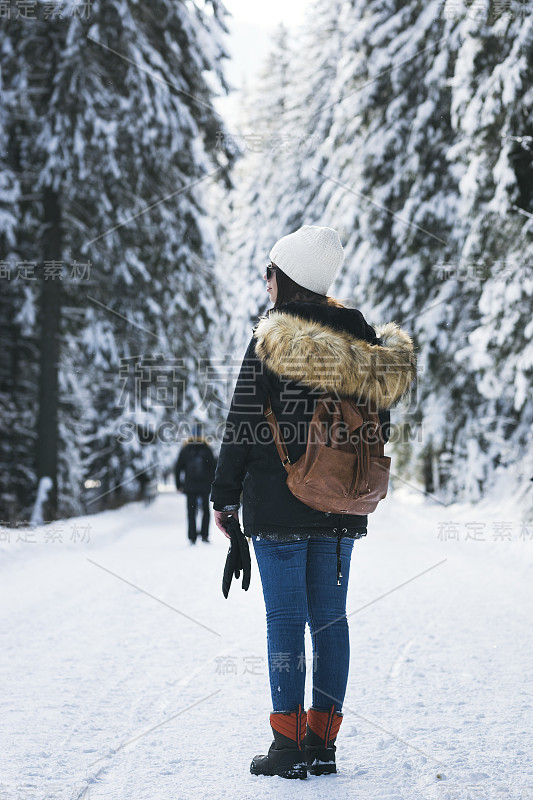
307, 344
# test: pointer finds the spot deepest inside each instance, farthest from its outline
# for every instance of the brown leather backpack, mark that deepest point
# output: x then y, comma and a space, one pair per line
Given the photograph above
343, 470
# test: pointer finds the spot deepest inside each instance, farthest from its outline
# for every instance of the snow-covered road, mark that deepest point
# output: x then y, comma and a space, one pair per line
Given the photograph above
126, 674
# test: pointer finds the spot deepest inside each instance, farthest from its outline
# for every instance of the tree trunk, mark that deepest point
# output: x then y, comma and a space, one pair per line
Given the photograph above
50, 311
428, 470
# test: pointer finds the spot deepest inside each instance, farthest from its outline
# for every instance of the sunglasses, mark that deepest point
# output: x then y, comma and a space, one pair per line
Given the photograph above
270, 271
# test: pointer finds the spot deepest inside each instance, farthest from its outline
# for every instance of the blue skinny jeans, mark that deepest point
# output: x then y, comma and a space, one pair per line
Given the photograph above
299, 580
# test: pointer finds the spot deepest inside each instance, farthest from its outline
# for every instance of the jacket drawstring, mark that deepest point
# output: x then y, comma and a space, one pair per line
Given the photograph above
339, 537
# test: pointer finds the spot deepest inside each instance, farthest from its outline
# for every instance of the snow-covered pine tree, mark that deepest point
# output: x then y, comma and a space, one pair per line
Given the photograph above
20, 353
16, 464
388, 184
416, 138
121, 148
491, 113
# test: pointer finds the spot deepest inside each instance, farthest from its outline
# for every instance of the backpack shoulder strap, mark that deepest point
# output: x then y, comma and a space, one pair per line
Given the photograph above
276, 435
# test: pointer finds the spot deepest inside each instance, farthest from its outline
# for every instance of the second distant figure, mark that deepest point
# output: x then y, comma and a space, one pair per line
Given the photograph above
195, 471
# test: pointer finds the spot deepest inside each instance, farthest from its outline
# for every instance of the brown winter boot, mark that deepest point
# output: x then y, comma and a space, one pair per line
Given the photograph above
286, 755
322, 730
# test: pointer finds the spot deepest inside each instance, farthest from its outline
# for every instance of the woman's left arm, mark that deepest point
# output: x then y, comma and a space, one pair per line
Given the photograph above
240, 432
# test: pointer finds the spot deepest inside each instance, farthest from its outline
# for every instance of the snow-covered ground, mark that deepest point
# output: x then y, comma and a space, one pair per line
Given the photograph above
126, 674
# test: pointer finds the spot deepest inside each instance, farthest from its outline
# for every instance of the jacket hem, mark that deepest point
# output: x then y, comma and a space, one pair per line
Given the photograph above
295, 534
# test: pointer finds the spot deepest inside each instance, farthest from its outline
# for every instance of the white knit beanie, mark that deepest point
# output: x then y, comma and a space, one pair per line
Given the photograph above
311, 256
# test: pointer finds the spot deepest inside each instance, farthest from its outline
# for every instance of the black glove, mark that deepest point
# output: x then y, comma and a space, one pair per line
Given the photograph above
238, 557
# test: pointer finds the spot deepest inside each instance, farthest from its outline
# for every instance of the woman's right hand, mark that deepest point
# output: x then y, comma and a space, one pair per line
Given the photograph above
223, 516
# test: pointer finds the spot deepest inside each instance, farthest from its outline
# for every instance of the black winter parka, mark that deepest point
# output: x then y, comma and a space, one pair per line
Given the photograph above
195, 467
297, 352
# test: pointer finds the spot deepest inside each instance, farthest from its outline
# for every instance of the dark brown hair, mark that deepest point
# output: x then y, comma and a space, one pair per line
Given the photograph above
289, 291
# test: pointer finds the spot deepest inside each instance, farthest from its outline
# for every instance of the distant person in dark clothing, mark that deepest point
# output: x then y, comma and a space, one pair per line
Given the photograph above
147, 487
195, 471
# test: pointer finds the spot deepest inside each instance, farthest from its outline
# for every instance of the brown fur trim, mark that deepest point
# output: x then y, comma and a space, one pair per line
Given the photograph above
196, 440
325, 359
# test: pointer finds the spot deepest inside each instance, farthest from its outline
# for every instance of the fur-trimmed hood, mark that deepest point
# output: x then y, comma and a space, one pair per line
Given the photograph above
329, 348
195, 440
